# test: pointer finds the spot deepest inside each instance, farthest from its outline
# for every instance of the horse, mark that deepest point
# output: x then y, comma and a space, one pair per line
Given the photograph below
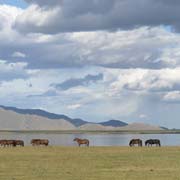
7, 143
3, 142
82, 141
150, 142
18, 142
135, 141
36, 142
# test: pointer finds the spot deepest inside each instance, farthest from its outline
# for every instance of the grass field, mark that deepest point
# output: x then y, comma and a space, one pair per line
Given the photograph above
94, 163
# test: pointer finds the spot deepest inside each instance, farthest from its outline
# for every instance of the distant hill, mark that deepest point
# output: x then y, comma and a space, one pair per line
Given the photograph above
95, 127
113, 123
76, 122
12, 118
165, 128
39, 112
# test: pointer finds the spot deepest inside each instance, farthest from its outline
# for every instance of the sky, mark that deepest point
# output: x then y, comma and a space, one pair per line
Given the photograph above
94, 59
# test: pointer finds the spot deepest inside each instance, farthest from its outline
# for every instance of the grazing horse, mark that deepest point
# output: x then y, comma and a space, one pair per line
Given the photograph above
3, 142
18, 143
38, 142
82, 141
7, 143
135, 141
150, 142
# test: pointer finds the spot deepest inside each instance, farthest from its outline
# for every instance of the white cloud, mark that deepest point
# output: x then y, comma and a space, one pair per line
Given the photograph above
10, 71
74, 106
140, 67
144, 80
173, 96
143, 116
18, 54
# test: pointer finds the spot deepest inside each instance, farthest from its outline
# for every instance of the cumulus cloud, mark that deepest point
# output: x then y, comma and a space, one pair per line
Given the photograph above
126, 74
142, 80
153, 48
173, 96
92, 15
150, 48
10, 71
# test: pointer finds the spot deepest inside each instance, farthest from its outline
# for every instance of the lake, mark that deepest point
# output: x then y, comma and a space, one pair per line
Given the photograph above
95, 139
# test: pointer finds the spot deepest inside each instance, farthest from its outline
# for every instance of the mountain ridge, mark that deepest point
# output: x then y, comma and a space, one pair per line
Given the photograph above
75, 121
12, 118
113, 123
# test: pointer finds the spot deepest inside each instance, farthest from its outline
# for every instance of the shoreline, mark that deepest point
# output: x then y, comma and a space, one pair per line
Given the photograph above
93, 131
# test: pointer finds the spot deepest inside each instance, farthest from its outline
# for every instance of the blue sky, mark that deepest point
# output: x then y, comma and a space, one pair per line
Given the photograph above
96, 60
18, 3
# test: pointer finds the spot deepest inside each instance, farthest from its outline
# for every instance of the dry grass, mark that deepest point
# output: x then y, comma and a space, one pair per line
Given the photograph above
94, 163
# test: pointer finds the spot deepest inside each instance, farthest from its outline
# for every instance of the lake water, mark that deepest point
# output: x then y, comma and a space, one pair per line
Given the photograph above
95, 139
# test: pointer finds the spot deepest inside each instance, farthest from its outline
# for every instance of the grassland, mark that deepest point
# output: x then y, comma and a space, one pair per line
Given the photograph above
94, 163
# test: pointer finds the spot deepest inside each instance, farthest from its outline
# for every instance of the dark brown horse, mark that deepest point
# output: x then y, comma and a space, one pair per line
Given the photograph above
82, 141
38, 142
3, 143
18, 143
151, 142
133, 142
7, 143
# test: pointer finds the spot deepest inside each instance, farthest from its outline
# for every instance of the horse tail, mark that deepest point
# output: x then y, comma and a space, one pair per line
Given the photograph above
88, 143
130, 143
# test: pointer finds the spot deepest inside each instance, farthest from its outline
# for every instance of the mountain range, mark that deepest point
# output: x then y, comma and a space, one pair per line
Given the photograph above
12, 118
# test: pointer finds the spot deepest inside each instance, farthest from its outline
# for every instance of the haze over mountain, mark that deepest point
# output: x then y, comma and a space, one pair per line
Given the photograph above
12, 118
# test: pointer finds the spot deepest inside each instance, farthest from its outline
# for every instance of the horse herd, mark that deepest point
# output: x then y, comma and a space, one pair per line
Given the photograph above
148, 142
45, 142
14, 143
133, 142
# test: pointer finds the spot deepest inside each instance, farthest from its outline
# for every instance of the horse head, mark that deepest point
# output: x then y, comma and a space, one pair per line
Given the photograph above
75, 139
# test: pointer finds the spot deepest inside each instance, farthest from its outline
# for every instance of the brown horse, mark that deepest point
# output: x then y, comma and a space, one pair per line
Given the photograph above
7, 143
13, 143
18, 143
3, 142
82, 141
135, 141
38, 142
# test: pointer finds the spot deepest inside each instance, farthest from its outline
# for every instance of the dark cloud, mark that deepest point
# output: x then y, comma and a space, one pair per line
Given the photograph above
148, 48
49, 93
79, 82
92, 15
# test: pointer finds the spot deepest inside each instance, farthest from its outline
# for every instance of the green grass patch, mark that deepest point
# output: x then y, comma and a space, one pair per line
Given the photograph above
94, 163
